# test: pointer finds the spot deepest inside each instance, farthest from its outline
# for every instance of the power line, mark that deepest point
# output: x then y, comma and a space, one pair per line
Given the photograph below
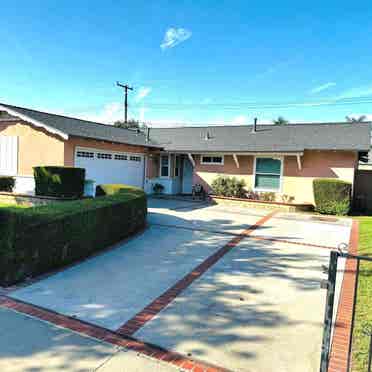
257, 105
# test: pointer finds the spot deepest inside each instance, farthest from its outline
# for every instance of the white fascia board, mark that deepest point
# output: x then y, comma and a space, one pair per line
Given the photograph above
34, 122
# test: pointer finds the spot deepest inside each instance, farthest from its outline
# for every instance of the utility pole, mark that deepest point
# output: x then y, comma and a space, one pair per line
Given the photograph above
126, 88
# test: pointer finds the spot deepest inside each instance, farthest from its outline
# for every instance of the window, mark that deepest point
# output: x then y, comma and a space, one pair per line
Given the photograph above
102, 155
177, 166
120, 157
85, 154
212, 159
135, 158
268, 174
164, 166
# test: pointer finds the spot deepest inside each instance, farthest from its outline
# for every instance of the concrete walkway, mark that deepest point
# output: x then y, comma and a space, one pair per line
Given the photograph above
30, 345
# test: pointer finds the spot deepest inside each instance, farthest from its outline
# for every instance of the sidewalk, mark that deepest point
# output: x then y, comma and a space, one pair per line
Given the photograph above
30, 345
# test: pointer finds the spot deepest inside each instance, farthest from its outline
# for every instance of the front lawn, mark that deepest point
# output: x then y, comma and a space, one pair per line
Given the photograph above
364, 301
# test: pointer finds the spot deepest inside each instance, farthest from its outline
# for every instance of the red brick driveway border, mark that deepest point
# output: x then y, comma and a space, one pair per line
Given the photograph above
151, 310
341, 335
105, 335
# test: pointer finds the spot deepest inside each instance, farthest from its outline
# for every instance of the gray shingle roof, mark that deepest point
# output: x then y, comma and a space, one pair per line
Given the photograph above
268, 138
84, 128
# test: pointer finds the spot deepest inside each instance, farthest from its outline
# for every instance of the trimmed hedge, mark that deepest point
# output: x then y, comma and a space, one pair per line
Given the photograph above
39, 239
332, 196
114, 188
62, 182
7, 183
229, 186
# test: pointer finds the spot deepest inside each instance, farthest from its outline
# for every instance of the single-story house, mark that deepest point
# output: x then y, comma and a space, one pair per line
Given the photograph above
281, 159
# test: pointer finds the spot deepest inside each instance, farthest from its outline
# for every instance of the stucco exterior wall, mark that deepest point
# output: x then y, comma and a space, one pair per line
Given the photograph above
297, 185
35, 146
73, 142
205, 174
316, 164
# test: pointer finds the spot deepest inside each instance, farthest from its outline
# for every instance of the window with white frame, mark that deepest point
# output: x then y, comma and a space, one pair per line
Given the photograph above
268, 173
102, 155
164, 165
85, 154
212, 159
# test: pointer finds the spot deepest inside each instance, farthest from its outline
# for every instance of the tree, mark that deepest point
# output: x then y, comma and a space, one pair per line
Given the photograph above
354, 120
130, 124
280, 121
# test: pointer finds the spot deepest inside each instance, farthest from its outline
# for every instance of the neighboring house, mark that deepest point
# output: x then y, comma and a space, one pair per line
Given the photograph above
281, 159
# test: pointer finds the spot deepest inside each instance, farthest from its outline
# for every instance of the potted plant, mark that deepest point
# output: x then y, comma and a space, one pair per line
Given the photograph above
158, 188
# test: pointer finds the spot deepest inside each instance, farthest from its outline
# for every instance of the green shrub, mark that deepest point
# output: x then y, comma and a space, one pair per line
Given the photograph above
62, 182
115, 188
229, 186
267, 196
38, 239
7, 183
332, 196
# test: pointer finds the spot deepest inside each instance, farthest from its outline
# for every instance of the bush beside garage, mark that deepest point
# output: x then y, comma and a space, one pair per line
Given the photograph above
36, 240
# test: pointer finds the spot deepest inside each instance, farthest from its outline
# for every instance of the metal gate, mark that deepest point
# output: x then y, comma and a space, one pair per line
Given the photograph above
329, 322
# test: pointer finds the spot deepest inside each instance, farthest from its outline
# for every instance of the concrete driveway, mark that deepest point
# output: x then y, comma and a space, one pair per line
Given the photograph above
191, 284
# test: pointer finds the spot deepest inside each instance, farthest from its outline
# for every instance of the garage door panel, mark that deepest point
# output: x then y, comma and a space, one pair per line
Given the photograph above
111, 167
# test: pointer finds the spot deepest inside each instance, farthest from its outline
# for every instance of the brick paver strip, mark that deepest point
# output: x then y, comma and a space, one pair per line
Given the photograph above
108, 336
342, 331
151, 310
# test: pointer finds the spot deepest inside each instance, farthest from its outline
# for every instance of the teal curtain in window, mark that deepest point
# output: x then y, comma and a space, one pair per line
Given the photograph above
268, 165
267, 182
268, 174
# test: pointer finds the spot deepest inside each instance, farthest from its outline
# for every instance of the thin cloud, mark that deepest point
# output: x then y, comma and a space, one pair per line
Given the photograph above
323, 87
174, 36
356, 92
110, 113
142, 93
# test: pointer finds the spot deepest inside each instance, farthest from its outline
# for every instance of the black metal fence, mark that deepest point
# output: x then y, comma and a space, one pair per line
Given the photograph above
329, 320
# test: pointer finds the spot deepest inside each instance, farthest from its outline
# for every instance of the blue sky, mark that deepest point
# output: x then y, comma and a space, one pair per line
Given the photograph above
189, 61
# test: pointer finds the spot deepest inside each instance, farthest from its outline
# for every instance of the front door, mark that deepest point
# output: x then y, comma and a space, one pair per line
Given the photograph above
187, 174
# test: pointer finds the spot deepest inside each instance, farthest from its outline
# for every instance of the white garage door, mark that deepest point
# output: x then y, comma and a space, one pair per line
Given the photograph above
111, 167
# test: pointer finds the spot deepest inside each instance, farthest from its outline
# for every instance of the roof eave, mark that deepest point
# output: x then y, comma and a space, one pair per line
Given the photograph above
37, 123
119, 143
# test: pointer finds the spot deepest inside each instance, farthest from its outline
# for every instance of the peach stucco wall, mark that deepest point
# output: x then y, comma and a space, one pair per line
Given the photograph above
74, 142
39, 147
205, 174
316, 164
35, 146
296, 184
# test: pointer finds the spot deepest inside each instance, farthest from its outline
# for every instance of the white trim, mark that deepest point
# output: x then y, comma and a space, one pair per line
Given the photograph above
35, 122
299, 164
160, 165
235, 157
192, 161
212, 156
95, 149
250, 153
281, 158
